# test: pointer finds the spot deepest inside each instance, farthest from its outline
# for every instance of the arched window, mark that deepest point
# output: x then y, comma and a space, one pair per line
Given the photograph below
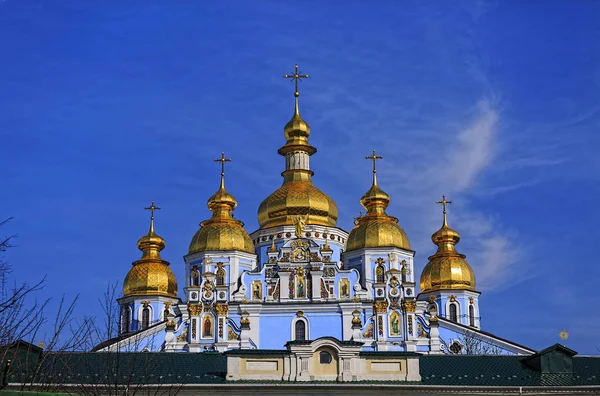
300, 328
145, 318
195, 276
471, 315
166, 314
380, 274
125, 319
220, 277
325, 357
453, 316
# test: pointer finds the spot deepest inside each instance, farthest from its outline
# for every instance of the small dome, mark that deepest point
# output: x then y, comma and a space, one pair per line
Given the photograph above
296, 130
221, 231
376, 228
447, 273
377, 233
447, 269
150, 279
150, 275
221, 236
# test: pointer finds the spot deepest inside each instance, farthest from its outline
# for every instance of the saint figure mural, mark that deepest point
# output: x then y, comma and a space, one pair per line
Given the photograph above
394, 324
344, 288
256, 291
300, 288
207, 327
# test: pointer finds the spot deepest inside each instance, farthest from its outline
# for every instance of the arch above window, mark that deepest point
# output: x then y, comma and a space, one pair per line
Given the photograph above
300, 329
125, 319
471, 315
380, 273
453, 312
220, 276
145, 318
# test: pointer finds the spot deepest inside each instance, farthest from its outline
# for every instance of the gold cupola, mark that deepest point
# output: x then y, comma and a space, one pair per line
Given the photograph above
447, 269
150, 275
221, 231
297, 196
376, 229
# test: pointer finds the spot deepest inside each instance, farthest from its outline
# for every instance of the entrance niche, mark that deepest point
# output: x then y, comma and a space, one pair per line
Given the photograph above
325, 364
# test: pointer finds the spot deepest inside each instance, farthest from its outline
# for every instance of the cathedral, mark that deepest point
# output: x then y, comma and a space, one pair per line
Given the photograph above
300, 277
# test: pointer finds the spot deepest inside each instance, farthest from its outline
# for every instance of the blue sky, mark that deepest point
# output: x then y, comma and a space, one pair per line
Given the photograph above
107, 105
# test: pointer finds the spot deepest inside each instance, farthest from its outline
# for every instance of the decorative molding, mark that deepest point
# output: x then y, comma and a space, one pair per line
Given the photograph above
380, 306
409, 306
221, 309
194, 309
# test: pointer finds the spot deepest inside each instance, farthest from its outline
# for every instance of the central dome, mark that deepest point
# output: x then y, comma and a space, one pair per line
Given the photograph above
297, 196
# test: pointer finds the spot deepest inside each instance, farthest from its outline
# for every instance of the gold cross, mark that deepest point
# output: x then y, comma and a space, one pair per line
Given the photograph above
152, 208
444, 203
222, 160
374, 158
296, 76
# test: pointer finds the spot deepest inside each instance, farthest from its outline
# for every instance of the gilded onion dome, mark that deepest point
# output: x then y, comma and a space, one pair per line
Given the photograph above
221, 231
297, 196
447, 269
150, 275
376, 228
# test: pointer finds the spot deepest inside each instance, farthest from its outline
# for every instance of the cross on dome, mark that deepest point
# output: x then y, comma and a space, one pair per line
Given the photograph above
296, 76
222, 160
373, 157
152, 208
444, 202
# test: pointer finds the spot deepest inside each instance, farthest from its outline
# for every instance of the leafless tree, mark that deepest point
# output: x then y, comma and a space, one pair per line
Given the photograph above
23, 317
67, 362
473, 343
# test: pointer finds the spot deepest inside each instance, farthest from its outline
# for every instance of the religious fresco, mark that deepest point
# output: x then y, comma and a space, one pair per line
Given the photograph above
207, 325
256, 290
300, 283
344, 288
395, 324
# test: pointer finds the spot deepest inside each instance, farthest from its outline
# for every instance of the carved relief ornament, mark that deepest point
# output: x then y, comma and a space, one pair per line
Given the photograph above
409, 306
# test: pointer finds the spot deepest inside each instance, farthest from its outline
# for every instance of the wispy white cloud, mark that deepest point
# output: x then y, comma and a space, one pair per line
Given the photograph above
463, 155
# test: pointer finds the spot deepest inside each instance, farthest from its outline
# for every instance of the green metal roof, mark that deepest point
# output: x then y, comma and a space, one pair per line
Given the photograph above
502, 370
139, 368
210, 368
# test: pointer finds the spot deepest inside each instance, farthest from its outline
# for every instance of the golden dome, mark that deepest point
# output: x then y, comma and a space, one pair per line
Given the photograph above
296, 131
297, 195
447, 269
376, 228
150, 275
221, 231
